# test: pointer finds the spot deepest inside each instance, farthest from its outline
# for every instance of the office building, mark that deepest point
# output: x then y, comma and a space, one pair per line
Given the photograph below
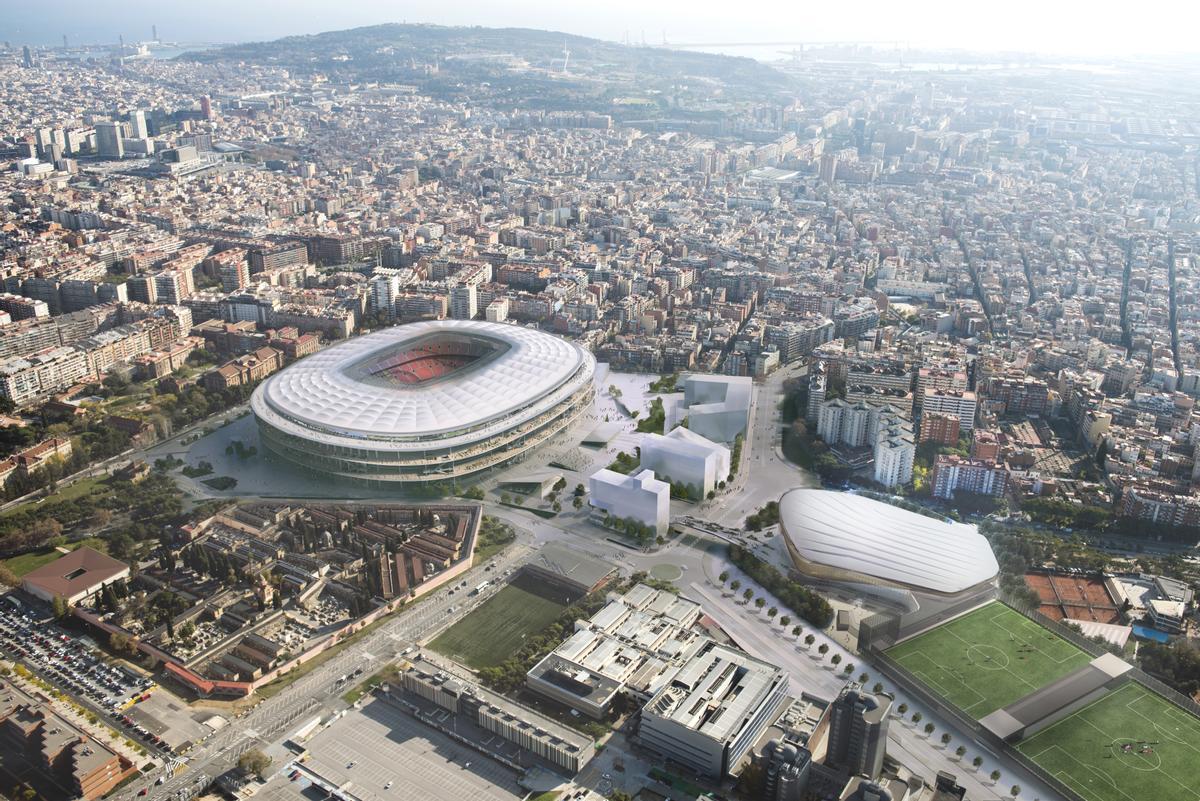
110, 140
708, 717
716, 407
641, 497
562, 747
684, 457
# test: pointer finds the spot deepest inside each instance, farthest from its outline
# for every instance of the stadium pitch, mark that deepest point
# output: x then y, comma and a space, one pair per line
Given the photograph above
988, 658
1129, 745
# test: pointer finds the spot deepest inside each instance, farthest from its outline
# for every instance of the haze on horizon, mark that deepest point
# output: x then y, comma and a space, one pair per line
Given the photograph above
1061, 27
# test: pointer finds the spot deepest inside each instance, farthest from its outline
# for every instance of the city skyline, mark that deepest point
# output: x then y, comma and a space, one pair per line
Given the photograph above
1070, 29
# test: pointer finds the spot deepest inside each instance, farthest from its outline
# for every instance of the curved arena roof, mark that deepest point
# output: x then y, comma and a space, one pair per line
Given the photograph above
859, 535
348, 392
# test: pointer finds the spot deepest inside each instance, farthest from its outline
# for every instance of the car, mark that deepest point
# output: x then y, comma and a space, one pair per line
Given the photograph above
351, 764
144, 791
387, 786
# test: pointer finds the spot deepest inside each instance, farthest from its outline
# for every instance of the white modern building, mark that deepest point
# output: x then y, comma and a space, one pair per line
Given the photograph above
715, 406
640, 496
685, 457
876, 548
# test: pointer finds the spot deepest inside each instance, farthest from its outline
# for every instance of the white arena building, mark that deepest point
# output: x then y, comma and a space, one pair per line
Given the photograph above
425, 401
880, 549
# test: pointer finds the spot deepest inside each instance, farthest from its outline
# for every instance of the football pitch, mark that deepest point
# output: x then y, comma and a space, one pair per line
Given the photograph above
1130, 745
493, 632
988, 658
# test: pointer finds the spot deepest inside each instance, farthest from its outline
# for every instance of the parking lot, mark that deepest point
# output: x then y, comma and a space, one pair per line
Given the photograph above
389, 756
58, 656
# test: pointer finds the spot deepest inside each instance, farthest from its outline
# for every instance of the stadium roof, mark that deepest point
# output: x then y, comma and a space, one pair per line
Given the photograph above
340, 392
854, 533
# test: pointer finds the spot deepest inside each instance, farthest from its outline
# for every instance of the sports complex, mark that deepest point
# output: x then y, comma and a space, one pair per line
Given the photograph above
988, 658
1082, 720
425, 401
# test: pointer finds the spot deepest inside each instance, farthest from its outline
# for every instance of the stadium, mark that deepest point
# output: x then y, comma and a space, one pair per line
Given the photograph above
424, 402
882, 550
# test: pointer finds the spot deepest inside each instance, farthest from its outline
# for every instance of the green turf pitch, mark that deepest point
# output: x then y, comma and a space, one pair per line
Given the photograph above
1086, 750
988, 658
493, 632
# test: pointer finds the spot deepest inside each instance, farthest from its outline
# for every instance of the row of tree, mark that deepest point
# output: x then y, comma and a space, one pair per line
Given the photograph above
803, 601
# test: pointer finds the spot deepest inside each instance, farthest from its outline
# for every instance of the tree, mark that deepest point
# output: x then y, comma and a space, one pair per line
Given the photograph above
929, 727
772, 612
809, 640
976, 762
902, 709
724, 577
796, 631
846, 671
960, 751
917, 717
878, 688
822, 649
748, 594
863, 678
254, 761
7, 577
995, 776
61, 607
735, 585
837, 658
946, 738
759, 603
577, 502
1015, 790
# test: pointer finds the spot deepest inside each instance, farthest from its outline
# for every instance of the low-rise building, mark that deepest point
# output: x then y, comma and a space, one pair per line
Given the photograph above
685, 457
641, 497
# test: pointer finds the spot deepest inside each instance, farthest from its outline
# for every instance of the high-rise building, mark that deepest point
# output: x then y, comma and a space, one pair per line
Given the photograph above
173, 286
894, 456
858, 728
27, 57
384, 288
464, 302
787, 771
137, 121
829, 165
960, 403
940, 427
110, 140
206, 107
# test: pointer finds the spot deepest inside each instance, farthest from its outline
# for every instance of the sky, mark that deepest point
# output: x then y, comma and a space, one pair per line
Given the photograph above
1066, 27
